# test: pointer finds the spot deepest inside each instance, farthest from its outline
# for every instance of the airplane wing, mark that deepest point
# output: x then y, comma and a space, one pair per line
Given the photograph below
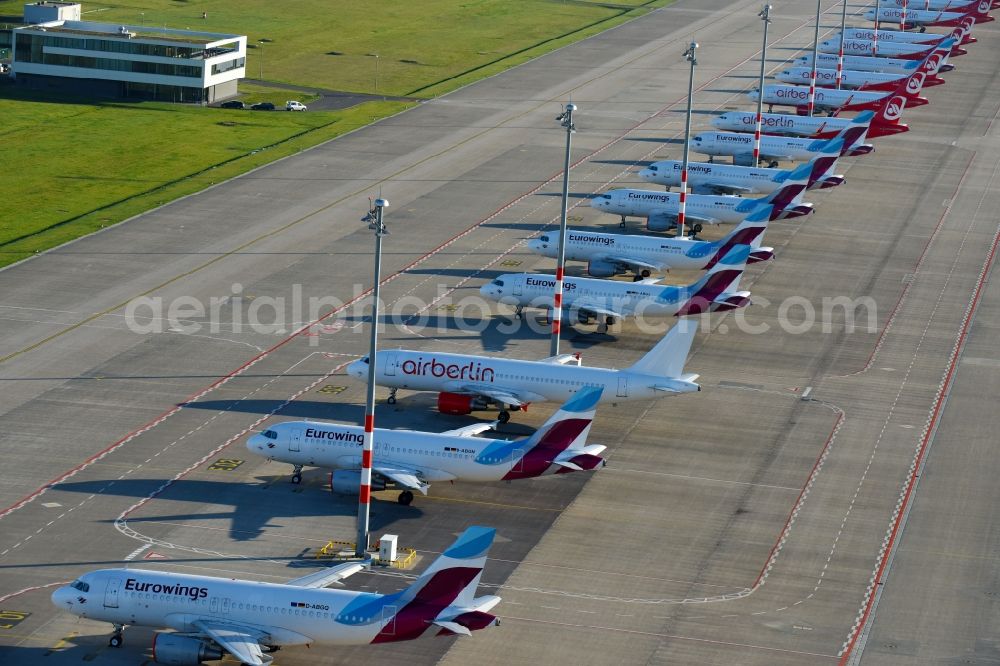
328, 575
408, 478
242, 643
703, 220
513, 398
633, 262
721, 189
562, 359
768, 156
471, 430
595, 309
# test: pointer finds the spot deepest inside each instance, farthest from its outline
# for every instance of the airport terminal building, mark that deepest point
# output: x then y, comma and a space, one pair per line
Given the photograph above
127, 61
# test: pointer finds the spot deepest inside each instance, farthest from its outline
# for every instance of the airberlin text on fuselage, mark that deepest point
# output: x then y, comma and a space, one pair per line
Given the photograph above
194, 593
473, 370
750, 119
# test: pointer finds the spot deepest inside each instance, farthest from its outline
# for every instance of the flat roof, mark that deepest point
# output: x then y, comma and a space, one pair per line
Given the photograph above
135, 32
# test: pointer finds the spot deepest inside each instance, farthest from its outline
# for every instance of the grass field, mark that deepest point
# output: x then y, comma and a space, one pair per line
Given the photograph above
95, 164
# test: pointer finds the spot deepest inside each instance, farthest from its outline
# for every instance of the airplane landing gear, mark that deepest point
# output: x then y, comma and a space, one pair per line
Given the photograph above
117, 640
519, 312
297, 475
405, 498
773, 164
622, 223
645, 273
391, 400
504, 416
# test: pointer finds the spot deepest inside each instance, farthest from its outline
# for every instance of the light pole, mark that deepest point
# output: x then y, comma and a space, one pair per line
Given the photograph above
375, 55
690, 55
375, 223
878, 8
812, 80
142, 18
765, 16
566, 120
840, 51
260, 61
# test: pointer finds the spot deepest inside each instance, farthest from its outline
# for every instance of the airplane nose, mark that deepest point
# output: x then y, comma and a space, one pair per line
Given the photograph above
255, 443
63, 597
645, 174
357, 369
486, 290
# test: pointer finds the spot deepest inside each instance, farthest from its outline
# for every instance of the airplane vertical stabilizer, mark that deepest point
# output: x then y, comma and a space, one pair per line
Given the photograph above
668, 357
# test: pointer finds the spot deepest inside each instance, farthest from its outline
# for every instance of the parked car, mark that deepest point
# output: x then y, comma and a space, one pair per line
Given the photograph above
233, 104
295, 106
262, 106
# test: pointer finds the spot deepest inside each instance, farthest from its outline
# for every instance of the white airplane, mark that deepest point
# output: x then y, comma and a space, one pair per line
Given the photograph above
899, 36
860, 79
865, 47
935, 5
609, 300
410, 460
660, 208
608, 255
712, 178
836, 101
467, 382
884, 122
922, 18
739, 145
249, 619
863, 63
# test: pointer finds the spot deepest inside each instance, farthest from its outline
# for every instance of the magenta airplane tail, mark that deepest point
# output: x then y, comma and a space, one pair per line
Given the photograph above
443, 596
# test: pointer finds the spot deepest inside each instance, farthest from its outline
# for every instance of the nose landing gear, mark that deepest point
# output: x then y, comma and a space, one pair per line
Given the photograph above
117, 640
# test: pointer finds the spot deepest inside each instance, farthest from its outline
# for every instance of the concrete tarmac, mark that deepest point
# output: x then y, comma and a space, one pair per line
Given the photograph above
743, 524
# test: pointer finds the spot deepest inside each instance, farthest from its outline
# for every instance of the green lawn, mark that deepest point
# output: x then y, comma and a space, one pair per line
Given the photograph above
71, 168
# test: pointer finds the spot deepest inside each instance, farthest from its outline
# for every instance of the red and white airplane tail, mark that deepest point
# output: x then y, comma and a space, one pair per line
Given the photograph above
888, 116
911, 88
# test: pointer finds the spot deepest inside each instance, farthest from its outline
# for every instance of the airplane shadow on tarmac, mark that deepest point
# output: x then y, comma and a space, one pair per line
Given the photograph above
254, 506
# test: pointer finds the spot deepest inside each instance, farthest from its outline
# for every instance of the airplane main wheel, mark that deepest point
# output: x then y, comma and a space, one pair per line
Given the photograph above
391, 400
405, 498
646, 273
504, 416
696, 228
296, 478
116, 641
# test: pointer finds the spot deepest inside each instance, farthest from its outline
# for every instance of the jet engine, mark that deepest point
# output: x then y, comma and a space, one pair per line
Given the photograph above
602, 269
347, 482
457, 403
661, 223
183, 650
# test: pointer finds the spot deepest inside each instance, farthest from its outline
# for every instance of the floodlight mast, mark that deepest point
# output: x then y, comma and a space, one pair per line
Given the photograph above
689, 54
374, 218
565, 119
765, 16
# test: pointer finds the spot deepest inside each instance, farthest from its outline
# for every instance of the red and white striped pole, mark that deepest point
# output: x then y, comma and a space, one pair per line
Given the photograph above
566, 118
840, 51
375, 223
682, 207
765, 15
902, 16
812, 79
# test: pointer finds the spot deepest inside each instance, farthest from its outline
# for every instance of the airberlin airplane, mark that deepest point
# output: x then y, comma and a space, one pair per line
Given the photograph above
922, 18
837, 101
865, 47
885, 122
466, 382
857, 79
867, 63
249, 619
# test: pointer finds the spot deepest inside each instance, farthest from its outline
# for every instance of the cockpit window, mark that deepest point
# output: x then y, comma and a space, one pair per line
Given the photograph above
498, 283
653, 167
270, 434
544, 239
365, 360
605, 196
80, 585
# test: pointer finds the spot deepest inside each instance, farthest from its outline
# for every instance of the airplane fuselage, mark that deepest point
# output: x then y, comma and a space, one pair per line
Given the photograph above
288, 615
826, 98
439, 457
754, 180
718, 144
864, 63
850, 78
543, 381
867, 47
646, 203
677, 253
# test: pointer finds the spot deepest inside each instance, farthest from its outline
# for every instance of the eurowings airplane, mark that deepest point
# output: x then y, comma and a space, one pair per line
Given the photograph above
712, 178
467, 382
608, 255
661, 208
740, 145
609, 300
408, 460
837, 101
249, 619
884, 122
922, 18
